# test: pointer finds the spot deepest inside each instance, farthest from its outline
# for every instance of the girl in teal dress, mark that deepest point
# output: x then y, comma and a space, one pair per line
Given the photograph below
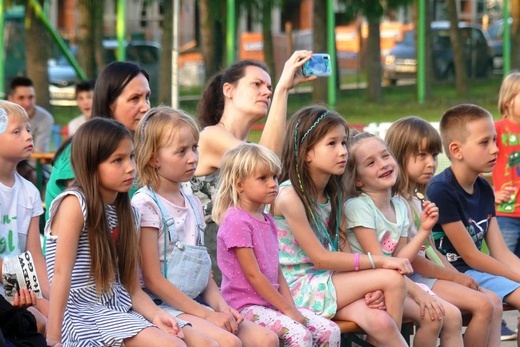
315, 256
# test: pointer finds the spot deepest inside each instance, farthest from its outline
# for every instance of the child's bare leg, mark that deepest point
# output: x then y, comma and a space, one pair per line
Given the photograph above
451, 333
496, 323
481, 306
194, 338
426, 335
253, 335
351, 286
380, 327
218, 334
41, 320
154, 337
513, 299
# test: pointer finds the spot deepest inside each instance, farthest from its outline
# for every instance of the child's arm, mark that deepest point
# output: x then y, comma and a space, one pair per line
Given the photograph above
368, 240
228, 318
263, 286
504, 194
498, 248
67, 225
34, 246
409, 248
476, 259
425, 301
289, 205
164, 289
143, 304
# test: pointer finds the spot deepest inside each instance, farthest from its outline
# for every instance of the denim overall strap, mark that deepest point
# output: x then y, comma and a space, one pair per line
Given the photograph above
198, 217
169, 225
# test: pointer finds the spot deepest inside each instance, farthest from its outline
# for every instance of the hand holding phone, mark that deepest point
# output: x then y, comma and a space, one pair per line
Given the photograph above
318, 65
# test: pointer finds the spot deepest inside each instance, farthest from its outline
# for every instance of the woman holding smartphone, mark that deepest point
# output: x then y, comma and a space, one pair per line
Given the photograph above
232, 102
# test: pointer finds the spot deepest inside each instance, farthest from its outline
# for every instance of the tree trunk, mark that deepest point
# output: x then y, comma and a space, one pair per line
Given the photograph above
85, 37
319, 44
207, 38
37, 48
373, 60
165, 77
267, 33
98, 11
461, 81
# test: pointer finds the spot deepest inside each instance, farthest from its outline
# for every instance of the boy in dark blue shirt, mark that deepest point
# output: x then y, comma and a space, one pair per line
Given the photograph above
467, 205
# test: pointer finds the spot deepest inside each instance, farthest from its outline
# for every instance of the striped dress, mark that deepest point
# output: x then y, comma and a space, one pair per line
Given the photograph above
89, 319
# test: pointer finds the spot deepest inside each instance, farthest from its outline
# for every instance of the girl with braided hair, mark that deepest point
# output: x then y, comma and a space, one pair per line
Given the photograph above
315, 256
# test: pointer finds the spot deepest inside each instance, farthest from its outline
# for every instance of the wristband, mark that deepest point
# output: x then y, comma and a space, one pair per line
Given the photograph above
371, 260
356, 261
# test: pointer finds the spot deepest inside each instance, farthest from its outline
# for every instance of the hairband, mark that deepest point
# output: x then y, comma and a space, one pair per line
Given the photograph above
146, 119
314, 125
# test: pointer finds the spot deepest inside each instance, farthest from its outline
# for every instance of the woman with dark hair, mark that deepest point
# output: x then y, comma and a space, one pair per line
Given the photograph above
121, 92
232, 102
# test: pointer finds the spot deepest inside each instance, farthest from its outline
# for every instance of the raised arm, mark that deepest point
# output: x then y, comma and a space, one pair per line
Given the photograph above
274, 130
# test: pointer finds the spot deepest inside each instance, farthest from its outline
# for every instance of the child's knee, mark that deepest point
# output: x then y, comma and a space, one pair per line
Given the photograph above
431, 325
395, 281
452, 317
299, 335
485, 307
267, 338
229, 339
380, 321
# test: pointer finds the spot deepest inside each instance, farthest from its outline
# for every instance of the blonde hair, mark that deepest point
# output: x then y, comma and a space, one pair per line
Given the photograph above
406, 138
157, 128
508, 90
454, 123
14, 110
237, 164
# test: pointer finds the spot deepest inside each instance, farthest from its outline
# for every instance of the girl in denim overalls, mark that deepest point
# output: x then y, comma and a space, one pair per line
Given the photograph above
172, 227
247, 250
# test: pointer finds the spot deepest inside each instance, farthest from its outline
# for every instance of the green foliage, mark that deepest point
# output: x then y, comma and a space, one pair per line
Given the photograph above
397, 102
372, 9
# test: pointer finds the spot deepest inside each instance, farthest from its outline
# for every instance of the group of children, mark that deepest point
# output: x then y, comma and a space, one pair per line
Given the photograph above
340, 227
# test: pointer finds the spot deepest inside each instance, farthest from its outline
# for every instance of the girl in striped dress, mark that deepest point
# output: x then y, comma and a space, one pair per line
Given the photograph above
92, 251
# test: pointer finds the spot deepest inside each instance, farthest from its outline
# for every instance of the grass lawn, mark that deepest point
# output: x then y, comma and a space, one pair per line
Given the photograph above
398, 101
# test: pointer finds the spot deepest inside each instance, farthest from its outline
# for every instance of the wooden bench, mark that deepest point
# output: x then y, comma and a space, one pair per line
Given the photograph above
350, 331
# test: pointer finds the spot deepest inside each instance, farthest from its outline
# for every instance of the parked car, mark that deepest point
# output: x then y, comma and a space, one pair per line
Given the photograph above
62, 76
401, 62
496, 33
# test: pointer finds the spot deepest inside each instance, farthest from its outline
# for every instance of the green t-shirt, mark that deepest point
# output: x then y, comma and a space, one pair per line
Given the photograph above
61, 173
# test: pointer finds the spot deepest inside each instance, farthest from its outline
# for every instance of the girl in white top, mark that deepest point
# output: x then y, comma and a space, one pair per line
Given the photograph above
167, 155
378, 223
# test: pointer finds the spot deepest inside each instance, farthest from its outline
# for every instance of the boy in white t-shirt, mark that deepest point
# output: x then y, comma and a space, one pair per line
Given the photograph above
20, 206
84, 97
